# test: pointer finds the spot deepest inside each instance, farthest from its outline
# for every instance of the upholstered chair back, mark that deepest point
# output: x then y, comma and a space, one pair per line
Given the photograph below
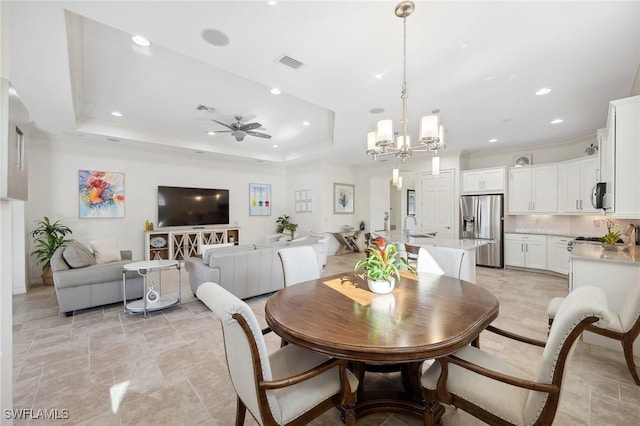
240, 344
581, 303
299, 264
630, 309
440, 260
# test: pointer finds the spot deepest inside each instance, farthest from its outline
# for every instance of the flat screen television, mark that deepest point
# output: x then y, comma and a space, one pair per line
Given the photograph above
179, 206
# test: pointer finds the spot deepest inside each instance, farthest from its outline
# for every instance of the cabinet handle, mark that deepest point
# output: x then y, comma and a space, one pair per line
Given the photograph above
521, 247
580, 204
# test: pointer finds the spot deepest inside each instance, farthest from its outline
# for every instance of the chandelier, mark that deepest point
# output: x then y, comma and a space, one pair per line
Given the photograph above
381, 142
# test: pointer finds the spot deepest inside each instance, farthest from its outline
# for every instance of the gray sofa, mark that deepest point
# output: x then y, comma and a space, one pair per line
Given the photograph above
94, 285
246, 270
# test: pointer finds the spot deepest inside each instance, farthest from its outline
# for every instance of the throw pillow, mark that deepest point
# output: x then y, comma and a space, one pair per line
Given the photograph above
106, 250
77, 255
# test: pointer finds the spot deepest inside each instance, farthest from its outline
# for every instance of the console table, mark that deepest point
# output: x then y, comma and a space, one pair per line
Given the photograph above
348, 241
179, 243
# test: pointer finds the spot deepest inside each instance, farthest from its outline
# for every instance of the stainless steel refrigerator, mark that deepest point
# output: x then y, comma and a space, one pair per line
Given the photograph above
481, 218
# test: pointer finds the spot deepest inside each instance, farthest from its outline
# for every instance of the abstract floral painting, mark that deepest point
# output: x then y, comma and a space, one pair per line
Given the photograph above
101, 194
343, 196
259, 199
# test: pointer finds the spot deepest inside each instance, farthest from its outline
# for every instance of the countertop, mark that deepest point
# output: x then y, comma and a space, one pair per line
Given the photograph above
626, 254
464, 244
540, 232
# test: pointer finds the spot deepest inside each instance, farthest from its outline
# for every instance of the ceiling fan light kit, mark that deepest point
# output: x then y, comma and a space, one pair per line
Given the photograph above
240, 130
431, 137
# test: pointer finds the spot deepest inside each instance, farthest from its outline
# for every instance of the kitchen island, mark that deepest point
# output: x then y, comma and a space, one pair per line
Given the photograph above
468, 270
613, 271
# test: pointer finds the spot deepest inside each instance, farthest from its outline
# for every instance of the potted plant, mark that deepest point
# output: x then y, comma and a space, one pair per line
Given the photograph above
282, 222
291, 227
610, 239
381, 266
48, 236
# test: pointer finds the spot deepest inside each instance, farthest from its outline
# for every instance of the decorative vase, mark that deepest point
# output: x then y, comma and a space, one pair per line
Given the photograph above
382, 286
609, 247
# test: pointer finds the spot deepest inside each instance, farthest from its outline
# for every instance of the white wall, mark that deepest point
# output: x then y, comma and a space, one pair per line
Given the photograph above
53, 188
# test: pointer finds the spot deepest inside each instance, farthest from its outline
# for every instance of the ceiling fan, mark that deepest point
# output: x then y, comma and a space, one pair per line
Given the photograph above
239, 130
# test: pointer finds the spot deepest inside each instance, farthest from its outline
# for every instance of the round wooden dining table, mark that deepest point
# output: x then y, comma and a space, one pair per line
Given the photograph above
426, 316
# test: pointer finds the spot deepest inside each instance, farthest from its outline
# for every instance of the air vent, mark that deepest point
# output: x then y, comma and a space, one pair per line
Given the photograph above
290, 62
205, 108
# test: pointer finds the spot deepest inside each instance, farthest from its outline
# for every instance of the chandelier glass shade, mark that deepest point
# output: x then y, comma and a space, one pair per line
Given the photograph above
383, 140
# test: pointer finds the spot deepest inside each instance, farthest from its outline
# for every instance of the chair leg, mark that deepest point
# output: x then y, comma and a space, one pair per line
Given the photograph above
627, 347
241, 411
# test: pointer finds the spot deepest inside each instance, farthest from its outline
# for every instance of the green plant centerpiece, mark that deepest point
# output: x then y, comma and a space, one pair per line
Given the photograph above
610, 239
381, 267
284, 224
48, 237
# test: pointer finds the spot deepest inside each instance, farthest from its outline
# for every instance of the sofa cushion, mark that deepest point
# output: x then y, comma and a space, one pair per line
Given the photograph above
77, 255
106, 251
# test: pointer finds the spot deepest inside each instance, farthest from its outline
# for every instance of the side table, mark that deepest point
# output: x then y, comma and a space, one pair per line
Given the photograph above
151, 300
348, 240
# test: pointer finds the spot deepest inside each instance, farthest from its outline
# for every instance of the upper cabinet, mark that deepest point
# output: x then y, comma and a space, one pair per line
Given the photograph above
576, 183
533, 189
623, 140
483, 180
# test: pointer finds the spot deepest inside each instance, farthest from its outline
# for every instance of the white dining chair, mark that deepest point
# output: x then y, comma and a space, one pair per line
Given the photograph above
440, 260
290, 386
497, 392
299, 263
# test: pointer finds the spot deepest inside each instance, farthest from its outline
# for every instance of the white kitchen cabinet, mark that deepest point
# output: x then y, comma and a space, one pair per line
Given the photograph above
525, 250
625, 132
483, 180
576, 182
533, 189
557, 254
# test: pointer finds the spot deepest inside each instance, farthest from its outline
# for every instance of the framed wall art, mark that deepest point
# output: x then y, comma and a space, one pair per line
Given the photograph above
303, 201
259, 199
101, 194
343, 198
411, 202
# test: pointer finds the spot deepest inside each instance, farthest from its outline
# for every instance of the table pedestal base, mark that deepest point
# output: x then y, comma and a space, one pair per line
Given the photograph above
407, 401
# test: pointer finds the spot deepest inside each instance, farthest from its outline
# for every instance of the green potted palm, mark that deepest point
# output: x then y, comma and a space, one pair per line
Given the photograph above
381, 266
48, 236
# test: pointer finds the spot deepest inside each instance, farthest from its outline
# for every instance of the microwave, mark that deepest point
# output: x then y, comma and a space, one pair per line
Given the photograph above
598, 195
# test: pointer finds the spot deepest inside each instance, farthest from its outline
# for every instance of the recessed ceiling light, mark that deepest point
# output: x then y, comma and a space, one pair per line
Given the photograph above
272, 2
543, 91
306, 123
379, 75
275, 146
116, 114
211, 133
141, 41
557, 121
199, 152
113, 139
489, 78
214, 37
376, 110
493, 140
275, 91
463, 46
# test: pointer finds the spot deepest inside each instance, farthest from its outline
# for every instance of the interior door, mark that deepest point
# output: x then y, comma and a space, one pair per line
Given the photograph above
437, 203
379, 199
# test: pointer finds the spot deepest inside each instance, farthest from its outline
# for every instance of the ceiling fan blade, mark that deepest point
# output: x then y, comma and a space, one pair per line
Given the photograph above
224, 131
250, 126
259, 135
224, 124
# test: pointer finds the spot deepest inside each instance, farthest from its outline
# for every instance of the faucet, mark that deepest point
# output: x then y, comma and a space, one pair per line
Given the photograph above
415, 222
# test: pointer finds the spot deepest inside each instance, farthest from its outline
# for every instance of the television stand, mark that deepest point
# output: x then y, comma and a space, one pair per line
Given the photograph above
179, 243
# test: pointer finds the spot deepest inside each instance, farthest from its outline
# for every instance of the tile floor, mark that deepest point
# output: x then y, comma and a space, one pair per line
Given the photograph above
107, 368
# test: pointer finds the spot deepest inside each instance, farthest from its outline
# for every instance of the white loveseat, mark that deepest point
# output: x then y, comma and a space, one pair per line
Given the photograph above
246, 270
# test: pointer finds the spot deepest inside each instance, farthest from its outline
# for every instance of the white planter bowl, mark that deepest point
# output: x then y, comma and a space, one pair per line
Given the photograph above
382, 287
